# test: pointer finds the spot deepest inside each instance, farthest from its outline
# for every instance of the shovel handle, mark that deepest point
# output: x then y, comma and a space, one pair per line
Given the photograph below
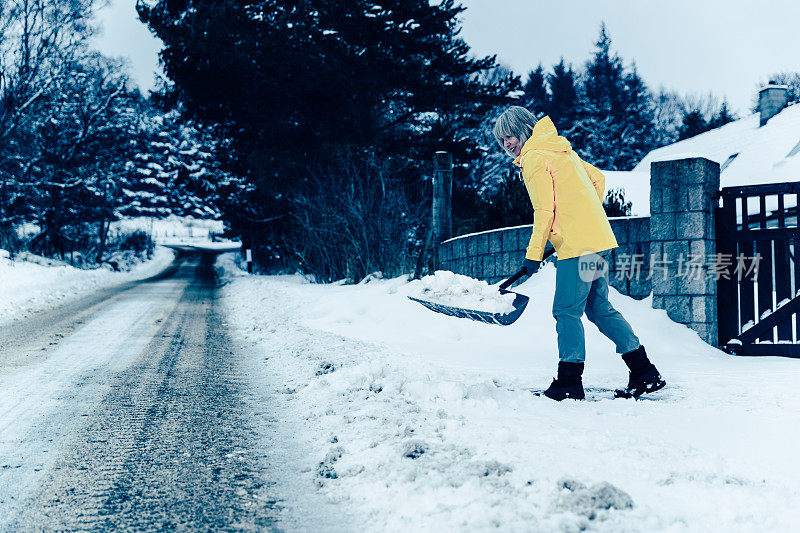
510, 281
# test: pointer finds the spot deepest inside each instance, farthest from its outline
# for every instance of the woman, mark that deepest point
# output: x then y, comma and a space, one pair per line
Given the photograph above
567, 194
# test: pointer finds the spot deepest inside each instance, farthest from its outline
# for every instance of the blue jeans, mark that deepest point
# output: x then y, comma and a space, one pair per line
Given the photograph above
582, 287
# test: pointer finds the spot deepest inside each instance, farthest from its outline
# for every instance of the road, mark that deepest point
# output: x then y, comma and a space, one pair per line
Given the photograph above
125, 410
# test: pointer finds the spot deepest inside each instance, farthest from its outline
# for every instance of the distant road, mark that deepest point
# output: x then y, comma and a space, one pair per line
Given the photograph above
124, 411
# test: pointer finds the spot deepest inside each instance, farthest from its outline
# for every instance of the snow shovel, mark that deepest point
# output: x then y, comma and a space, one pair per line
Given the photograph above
501, 319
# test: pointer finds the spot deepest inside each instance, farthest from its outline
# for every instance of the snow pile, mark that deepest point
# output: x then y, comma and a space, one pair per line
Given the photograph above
591, 502
447, 288
418, 421
37, 282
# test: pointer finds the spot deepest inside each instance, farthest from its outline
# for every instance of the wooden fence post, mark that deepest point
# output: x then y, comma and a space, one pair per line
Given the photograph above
442, 213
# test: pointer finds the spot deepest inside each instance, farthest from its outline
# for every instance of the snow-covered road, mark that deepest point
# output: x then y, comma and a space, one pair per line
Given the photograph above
129, 409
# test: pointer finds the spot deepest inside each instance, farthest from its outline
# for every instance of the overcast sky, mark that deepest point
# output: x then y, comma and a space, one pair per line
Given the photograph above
692, 46
124, 36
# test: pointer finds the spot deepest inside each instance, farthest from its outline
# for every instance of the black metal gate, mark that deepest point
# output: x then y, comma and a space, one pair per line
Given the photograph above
758, 277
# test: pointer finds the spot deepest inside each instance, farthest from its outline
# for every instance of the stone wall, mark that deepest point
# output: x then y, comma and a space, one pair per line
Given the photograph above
629, 266
497, 254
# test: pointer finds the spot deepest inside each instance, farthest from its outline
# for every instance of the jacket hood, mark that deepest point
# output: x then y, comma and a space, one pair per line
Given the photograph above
544, 137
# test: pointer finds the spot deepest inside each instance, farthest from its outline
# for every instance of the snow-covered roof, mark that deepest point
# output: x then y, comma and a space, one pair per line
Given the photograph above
747, 154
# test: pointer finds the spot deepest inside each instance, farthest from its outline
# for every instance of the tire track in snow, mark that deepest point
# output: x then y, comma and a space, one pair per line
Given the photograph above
169, 446
47, 390
34, 336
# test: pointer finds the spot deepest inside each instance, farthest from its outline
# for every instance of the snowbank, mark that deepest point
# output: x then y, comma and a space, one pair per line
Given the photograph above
419, 421
39, 282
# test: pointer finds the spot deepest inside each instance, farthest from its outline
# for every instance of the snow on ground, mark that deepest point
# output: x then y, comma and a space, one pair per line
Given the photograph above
169, 229
420, 421
35, 283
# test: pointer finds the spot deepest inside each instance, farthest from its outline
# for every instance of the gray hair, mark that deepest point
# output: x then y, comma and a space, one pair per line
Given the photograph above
516, 122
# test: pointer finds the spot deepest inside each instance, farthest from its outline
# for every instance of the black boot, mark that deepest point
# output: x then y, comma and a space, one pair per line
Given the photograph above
568, 384
644, 376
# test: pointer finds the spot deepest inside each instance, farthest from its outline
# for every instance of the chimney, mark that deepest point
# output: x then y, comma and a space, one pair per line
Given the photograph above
771, 99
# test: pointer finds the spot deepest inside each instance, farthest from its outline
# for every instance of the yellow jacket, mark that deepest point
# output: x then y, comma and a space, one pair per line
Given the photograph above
567, 197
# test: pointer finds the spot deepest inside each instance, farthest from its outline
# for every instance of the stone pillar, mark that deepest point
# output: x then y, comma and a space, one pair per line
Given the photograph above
683, 199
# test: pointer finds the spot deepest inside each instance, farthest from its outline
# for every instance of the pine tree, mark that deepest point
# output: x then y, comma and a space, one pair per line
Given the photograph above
722, 117
638, 135
536, 98
291, 84
176, 170
614, 125
292, 78
694, 123
564, 97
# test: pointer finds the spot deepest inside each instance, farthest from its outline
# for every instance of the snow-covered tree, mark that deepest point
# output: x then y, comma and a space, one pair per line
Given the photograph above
67, 155
177, 169
615, 116
40, 43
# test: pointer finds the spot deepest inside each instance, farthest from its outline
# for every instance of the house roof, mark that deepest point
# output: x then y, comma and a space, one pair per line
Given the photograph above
747, 154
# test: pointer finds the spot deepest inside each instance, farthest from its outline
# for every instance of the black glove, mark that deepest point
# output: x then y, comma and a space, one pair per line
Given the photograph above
531, 266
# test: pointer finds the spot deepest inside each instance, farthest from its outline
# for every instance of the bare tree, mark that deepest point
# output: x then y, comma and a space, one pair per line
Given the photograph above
59, 101
353, 220
668, 116
707, 104
39, 39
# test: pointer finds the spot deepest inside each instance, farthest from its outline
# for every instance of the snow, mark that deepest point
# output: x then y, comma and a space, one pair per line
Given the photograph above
446, 288
171, 229
151, 181
762, 155
636, 188
419, 421
763, 151
676, 156
38, 283
482, 232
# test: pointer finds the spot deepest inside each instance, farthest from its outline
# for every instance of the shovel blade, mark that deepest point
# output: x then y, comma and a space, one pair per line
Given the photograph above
501, 319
